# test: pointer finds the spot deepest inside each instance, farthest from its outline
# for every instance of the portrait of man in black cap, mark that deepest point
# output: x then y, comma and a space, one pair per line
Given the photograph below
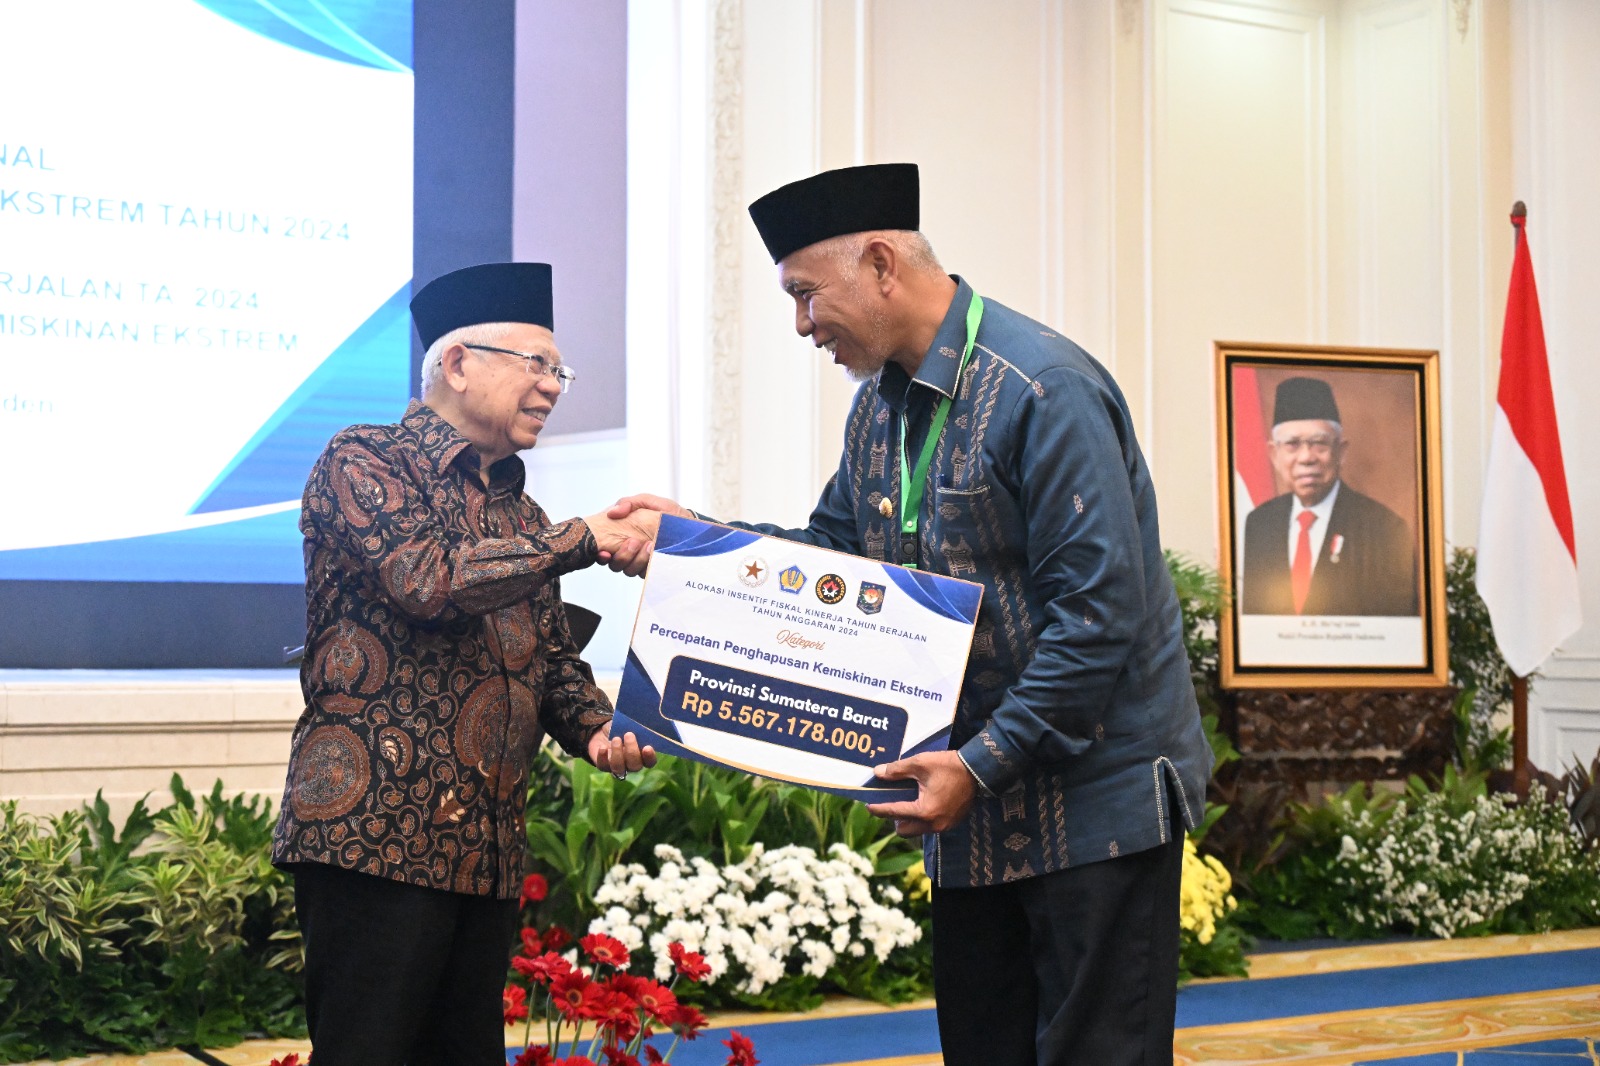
1322, 548
438, 655
985, 445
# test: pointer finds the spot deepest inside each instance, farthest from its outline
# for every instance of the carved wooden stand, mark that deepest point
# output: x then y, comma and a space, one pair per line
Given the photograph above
1305, 739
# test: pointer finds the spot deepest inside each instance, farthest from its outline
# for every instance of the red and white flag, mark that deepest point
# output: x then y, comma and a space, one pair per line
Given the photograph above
1527, 559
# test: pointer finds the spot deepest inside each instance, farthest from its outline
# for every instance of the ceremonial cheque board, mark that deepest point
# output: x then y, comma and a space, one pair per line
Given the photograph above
791, 661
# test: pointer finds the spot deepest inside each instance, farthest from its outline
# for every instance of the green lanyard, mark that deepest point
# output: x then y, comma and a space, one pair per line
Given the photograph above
911, 496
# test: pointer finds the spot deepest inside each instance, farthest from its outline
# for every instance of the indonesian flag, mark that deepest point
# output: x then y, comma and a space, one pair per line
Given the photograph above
1252, 468
1527, 562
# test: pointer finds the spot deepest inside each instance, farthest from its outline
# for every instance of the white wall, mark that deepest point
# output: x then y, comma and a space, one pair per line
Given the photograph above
1555, 108
1149, 176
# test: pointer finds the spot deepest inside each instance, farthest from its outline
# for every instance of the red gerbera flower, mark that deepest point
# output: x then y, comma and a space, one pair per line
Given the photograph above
652, 1056
534, 889
606, 950
615, 1056
689, 964
656, 999
576, 1060
514, 1002
537, 1055
627, 1027
544, 969
291, 1059
741, 1051
687, 1021
532, 943
573, 993
613, 1007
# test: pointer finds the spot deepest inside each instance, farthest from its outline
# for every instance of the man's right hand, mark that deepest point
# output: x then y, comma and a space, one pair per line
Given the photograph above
632, 558
625, 541
630, 505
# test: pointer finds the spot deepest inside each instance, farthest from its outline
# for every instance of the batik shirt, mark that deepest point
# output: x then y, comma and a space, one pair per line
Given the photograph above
437, 657
1077, 715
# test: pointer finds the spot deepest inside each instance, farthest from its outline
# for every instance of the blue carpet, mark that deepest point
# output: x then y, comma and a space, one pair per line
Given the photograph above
811, 1041
1393, 986
817, 1040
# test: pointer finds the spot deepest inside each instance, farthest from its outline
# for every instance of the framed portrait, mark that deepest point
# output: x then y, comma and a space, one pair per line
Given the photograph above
1332, 544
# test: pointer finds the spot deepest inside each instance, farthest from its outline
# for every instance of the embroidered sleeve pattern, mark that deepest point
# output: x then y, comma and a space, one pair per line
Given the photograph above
428, 569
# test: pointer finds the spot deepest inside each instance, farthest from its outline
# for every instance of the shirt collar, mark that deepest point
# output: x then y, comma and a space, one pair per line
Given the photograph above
942, 359
442, 447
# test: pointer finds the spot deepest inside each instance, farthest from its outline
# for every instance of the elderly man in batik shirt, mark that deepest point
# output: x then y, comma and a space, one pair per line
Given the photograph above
438, 655
986, 446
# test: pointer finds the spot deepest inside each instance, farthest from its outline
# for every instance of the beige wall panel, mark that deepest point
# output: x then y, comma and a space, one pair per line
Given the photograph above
1557, 156
1477, 167
45, 793
1399, 211
1091, 99
109, 748
780, 371
963, 96
77, 736
1237, 223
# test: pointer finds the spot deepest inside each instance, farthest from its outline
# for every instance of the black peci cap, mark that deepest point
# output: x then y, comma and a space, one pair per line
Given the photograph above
836, 202
489, 292
1299, 398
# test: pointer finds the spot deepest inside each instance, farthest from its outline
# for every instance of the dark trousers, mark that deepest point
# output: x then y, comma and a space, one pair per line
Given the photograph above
399, 974
1077, 966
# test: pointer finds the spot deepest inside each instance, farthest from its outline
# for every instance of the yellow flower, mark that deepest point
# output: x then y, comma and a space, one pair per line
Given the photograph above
918, 884
1204, 897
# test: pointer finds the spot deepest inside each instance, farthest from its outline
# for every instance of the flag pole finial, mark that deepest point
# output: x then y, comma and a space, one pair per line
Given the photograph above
1519, 213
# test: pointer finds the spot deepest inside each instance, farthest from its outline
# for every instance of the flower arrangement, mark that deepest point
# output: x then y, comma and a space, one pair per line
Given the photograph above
1440, 859
1426, 866
1204, 899
1212, 943
777, 922
621, 1011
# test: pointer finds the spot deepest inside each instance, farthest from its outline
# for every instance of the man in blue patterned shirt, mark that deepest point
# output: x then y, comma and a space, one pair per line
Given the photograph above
986, 446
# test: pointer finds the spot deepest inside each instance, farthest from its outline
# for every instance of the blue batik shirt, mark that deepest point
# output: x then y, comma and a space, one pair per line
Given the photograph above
1077, 716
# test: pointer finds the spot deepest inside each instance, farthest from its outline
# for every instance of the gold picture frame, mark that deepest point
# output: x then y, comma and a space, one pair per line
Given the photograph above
1331, 505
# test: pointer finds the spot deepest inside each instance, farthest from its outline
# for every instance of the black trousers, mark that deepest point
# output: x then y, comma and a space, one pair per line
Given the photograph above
1077, 966
399, 974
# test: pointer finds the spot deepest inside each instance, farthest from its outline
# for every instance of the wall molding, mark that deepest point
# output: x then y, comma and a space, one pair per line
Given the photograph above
724, 378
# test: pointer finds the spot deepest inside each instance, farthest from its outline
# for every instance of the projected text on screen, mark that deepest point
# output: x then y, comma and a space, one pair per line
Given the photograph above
205, 258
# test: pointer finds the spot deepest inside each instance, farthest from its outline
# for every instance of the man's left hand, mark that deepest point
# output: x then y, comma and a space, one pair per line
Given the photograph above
619, 756
945, 791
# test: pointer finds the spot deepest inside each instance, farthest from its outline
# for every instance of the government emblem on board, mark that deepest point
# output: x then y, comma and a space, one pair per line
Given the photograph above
791, 579
870, 598
752, 570
830, 588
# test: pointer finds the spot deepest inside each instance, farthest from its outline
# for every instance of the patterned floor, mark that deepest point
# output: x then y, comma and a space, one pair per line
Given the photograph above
1498, 1001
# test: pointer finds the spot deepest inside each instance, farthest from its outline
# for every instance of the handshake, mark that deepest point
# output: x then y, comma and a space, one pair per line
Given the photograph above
627, 532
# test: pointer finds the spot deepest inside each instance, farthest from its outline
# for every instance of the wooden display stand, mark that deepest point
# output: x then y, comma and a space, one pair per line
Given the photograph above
1313, 738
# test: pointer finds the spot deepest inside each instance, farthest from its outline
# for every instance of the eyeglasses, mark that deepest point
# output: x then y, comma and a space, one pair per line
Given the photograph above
1316, 445
536, 364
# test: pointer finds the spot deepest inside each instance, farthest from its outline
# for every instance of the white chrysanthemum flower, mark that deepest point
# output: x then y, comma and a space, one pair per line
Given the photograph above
778, 912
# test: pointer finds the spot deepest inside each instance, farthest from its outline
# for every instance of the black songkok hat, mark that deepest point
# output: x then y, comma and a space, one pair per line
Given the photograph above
1299, 398
836, 202
490, 292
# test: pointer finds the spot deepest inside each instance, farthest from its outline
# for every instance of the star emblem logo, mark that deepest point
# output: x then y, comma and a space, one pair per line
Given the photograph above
752, 570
